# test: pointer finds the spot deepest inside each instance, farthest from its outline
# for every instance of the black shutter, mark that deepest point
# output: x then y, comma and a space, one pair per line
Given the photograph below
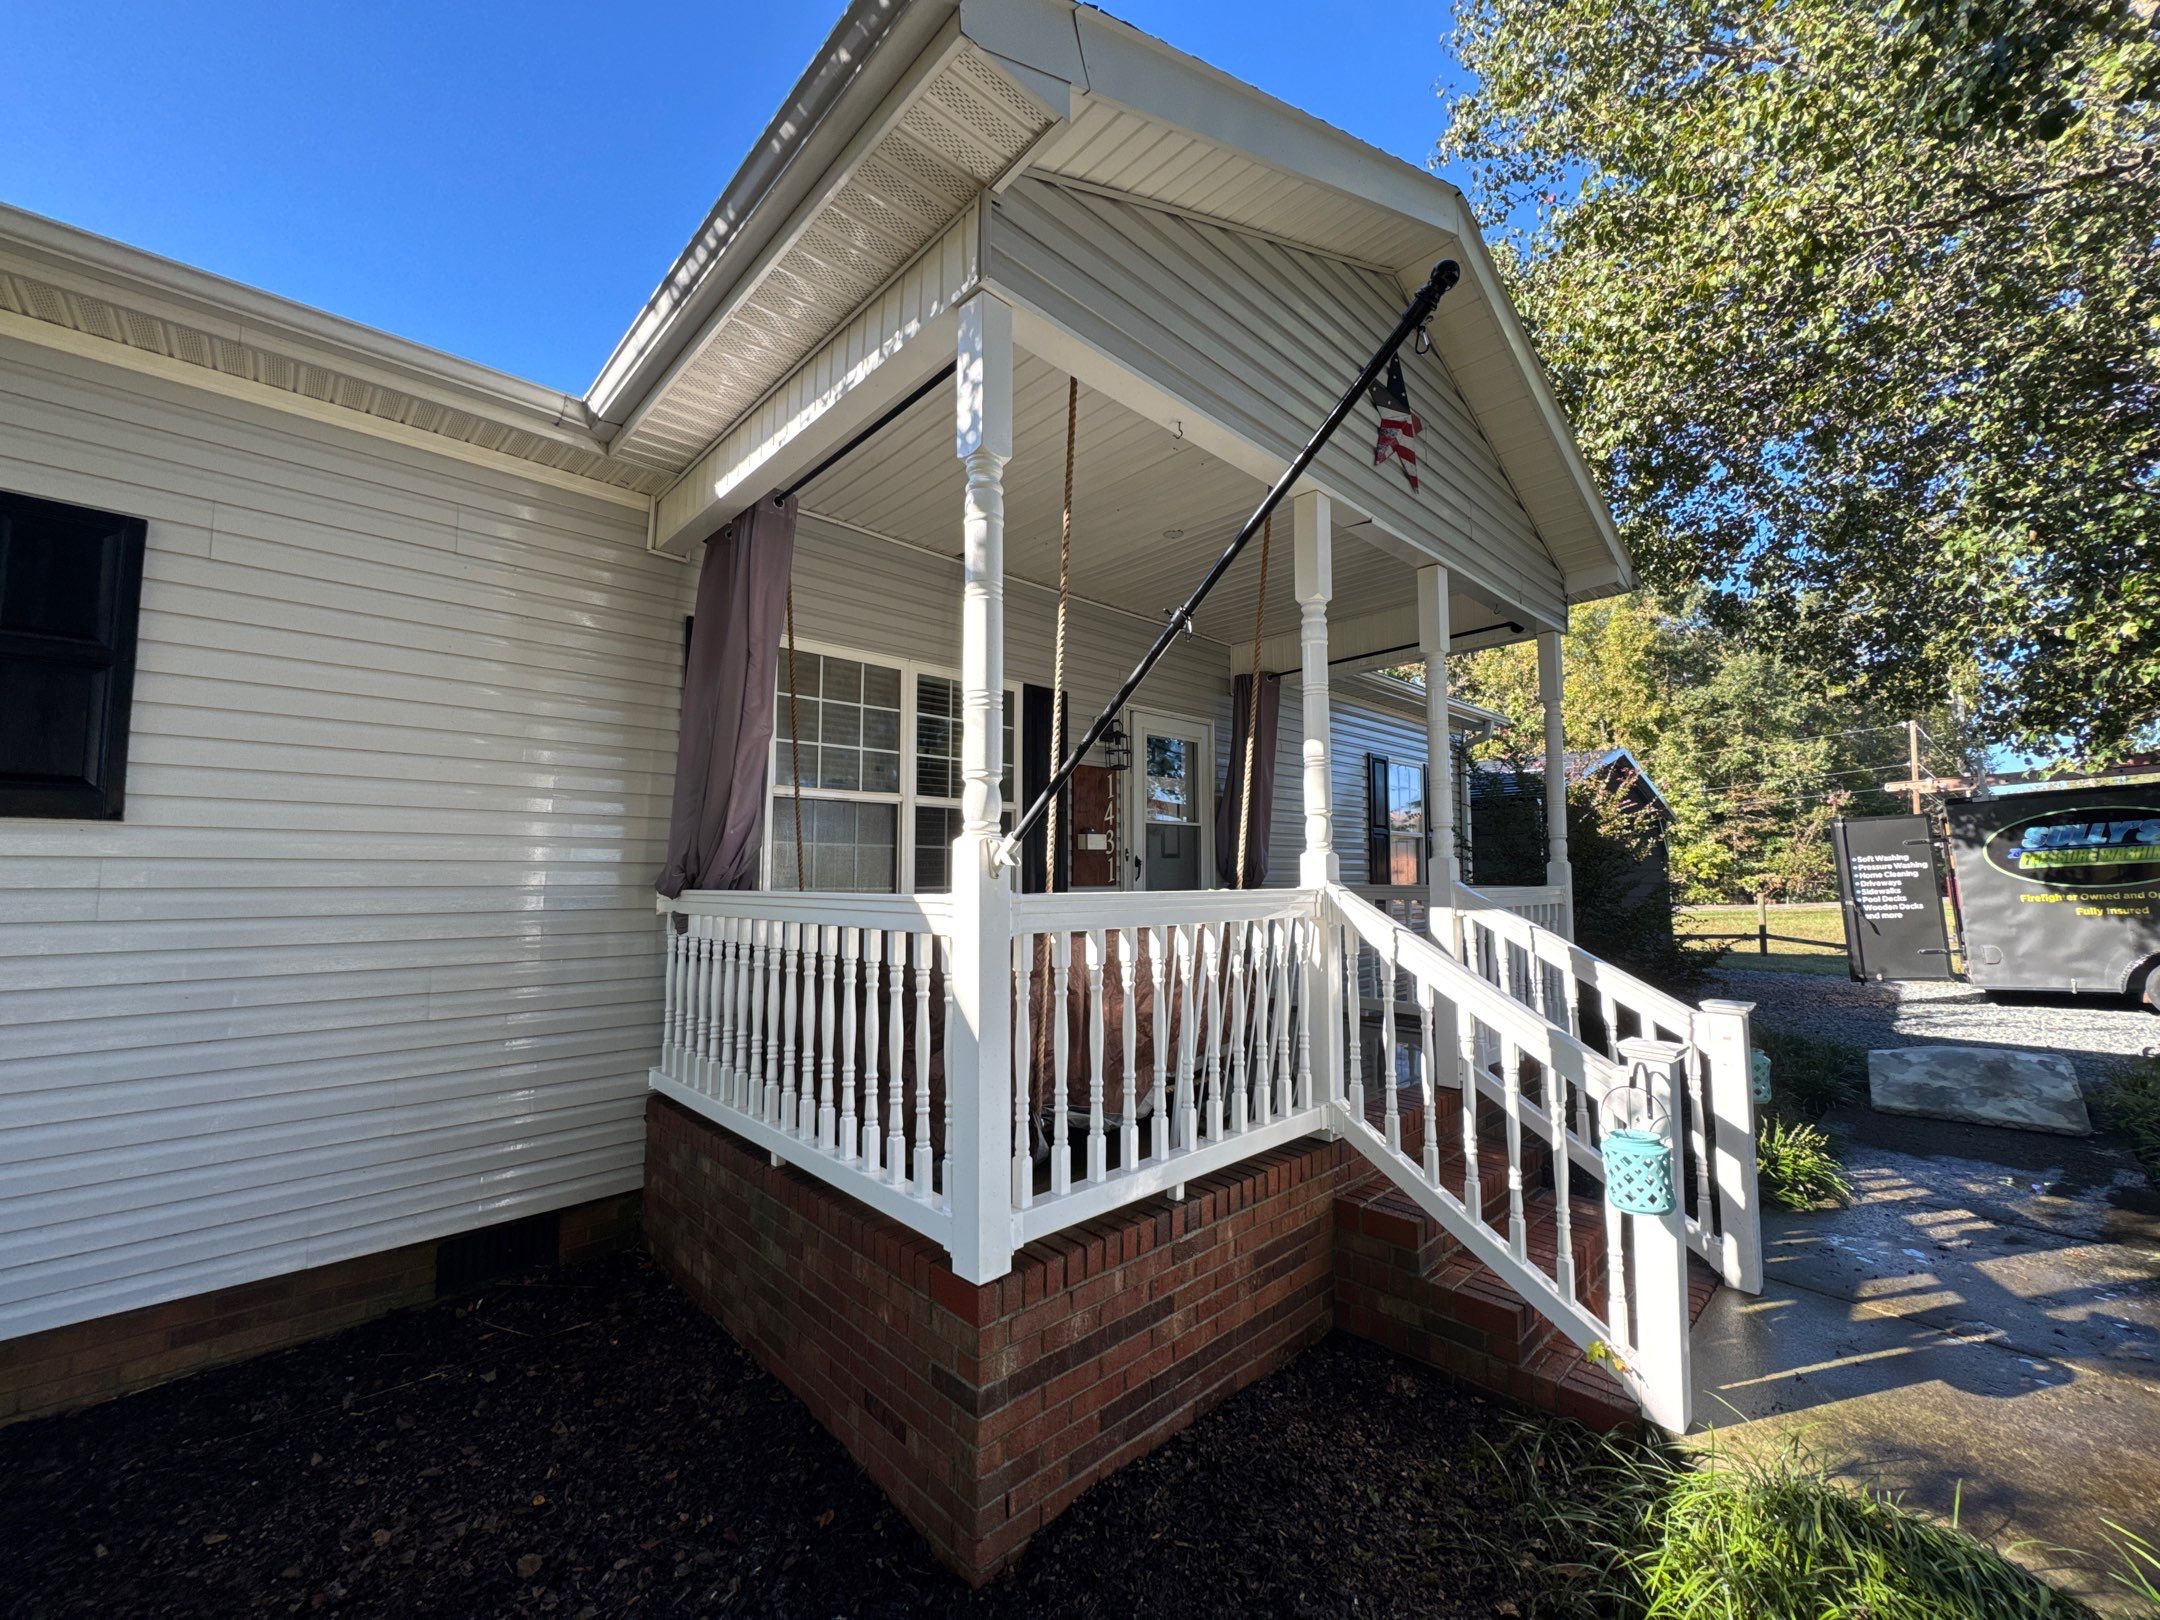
1035, 768
1376, 818
70, 584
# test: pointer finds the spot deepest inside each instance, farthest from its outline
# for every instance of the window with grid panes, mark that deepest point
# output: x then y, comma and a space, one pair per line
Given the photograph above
937, 776
847, 724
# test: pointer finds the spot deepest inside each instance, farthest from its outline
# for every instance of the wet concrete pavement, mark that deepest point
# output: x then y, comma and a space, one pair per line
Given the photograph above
1979, 1331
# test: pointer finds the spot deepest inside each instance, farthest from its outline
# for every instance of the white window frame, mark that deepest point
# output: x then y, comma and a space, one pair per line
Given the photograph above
778, 793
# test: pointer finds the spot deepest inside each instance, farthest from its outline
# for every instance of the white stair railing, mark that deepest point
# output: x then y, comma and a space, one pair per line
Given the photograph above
1475, 1041
1715, 1116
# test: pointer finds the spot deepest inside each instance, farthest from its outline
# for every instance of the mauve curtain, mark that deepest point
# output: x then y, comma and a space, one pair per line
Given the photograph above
1229, 802
721, 755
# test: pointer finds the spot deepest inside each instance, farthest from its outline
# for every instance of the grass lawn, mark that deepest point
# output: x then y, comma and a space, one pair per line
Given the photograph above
1820, 924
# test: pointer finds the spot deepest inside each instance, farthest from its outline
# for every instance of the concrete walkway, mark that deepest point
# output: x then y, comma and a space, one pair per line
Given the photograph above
1979, 1331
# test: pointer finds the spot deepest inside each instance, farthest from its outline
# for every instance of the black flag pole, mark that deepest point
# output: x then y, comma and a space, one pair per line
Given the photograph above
1419, 310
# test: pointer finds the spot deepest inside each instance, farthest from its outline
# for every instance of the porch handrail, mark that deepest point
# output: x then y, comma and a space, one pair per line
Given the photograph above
1489, 1038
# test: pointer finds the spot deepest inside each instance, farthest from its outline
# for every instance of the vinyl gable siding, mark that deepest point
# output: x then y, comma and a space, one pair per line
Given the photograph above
371, 958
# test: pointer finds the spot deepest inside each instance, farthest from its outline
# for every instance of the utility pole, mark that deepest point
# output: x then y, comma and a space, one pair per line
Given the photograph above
1912, 749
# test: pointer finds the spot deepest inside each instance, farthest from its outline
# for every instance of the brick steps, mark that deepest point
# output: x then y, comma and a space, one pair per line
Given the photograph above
1402, 1281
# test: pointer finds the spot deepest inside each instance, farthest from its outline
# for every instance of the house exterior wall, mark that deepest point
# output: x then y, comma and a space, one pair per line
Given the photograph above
1355, 729
371, 957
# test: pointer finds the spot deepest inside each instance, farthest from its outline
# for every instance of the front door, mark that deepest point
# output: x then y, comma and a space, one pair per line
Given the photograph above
1174, 785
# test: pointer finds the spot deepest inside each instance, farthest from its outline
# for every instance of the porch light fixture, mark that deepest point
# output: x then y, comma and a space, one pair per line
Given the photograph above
1117, 750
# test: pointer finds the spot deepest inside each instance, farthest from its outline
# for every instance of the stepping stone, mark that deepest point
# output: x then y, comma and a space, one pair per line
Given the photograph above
1983, 1085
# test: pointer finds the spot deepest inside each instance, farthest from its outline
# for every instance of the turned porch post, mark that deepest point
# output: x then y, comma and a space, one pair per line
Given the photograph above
1311, 517
1558, 874
980, 1083
1441, 871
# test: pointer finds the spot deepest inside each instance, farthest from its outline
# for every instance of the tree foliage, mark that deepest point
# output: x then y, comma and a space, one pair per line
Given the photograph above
1854, 308
1755, 753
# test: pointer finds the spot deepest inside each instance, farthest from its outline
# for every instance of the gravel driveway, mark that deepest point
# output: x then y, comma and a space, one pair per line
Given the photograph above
2099, 1036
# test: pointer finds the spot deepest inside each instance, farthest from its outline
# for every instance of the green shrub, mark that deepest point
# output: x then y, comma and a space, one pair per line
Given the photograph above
1798, 1169
2130, 1109
1645, 1530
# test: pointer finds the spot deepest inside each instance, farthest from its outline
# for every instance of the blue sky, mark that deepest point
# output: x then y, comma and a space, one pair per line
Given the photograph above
509, 182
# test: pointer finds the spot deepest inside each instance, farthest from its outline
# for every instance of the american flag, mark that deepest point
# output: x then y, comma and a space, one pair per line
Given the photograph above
1399, 424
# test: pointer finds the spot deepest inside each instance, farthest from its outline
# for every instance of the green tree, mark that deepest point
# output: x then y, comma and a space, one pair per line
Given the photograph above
1853, 306
1755, 753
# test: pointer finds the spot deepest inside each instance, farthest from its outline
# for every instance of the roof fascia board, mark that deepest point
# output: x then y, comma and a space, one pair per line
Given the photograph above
147, 363
1143, 74
870, 49
1495, 299
129, 277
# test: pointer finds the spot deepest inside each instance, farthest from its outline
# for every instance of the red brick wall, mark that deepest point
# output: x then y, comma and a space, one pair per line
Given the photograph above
984, 1412
86, 1362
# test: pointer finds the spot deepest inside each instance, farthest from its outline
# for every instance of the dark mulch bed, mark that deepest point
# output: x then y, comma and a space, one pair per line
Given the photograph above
585, 1442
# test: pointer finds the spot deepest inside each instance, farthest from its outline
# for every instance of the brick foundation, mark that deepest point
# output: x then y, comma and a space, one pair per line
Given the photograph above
86, 1362
984, 1412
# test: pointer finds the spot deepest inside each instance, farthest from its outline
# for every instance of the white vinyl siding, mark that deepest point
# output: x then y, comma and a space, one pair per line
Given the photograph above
1355, 729
1262, 338
372, 957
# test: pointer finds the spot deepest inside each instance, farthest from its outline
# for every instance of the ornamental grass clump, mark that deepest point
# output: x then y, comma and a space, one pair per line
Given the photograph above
1653, 1532
1798, 1169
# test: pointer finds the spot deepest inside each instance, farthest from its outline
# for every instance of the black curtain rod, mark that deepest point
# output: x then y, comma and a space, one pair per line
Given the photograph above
1415, 314
943, 374
1407, 646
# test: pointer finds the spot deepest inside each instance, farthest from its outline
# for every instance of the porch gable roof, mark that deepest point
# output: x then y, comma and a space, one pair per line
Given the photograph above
915, 108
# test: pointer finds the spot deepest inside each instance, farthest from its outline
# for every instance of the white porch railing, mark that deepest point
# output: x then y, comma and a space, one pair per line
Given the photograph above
1157, 1037
810, 1024
1200, 1004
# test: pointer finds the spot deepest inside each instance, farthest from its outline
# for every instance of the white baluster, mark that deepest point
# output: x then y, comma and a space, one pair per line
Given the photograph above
896, 1166
1390, 1079
850, 984
1430, 1119
1281, 934
709, 1010
670, 990
1511, 1082
772, 1066
754, 1070
805, 1121
738, 1053
1310, 1005
1188, 1035
828, 1116
1211, 966
1158, 986
1235, 941
1563, 1215
1354, 1019
945, 975
1129, 1030
1259, 1037
790, 1018
724, 1010
1699, 1135
1023, 1168
873, 948
1466, 1029
1097, 1148
1060, 1015
924, 1187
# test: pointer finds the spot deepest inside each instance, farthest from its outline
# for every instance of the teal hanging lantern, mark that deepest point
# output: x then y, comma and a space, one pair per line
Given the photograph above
1636, 1138
1759, 1073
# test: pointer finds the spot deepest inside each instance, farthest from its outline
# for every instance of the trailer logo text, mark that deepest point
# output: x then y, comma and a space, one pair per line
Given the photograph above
2105, 846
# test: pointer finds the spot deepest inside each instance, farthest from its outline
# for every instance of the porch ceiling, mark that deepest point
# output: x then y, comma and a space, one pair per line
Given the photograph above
1133, 482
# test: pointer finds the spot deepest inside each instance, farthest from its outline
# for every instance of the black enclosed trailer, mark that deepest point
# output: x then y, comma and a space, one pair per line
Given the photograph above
2060, 890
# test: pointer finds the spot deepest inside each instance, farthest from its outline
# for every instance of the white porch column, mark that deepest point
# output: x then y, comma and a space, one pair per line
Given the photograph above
981, 964
1558, 873
1311, 518
1442, 872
